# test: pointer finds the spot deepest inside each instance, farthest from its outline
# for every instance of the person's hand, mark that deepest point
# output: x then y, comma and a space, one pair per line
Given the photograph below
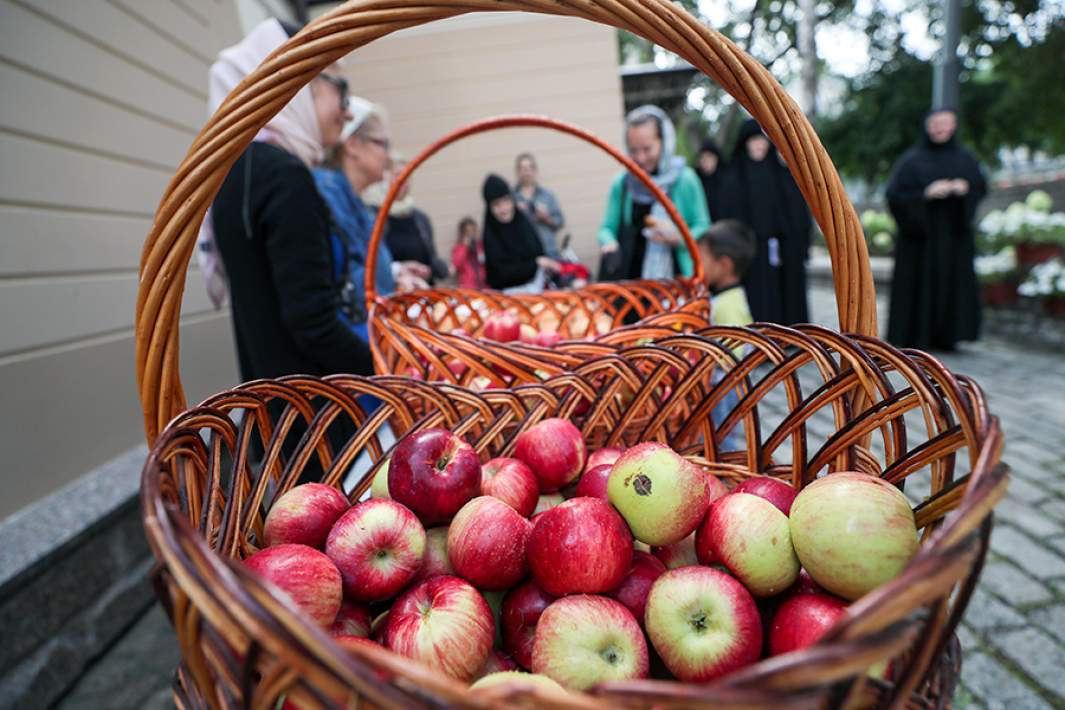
408, 282
542, 214
939, 189
548, 264
960, 187
414, 268
662, 232
608, 248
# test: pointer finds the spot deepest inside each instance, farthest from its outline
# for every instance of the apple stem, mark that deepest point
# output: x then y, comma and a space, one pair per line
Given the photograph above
699, 621
441, 464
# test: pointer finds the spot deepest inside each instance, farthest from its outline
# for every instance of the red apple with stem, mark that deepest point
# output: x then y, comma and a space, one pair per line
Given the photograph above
554, 450
582, 545
702, 623
304, 515
522, 608
444, 623
304, 575
584, 640
378, 546
593, 482
772, 489
486, 544
633, 590
512, 482
802, 620
434, 473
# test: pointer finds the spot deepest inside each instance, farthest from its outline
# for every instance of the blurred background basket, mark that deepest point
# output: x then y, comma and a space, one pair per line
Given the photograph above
416, 333
811, 401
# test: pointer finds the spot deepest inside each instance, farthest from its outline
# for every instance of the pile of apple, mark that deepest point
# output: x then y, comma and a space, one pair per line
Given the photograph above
504, 327
581, 569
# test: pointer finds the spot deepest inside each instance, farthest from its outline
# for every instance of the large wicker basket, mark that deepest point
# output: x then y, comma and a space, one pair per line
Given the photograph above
420, 333
813, 401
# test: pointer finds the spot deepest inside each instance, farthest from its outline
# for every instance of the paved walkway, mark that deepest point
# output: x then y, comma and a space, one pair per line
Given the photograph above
1013, 633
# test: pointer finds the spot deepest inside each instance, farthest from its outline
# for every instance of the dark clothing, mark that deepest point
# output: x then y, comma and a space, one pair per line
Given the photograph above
714, 183
763, 195
511, 249
410, 238
273, 233
935, 299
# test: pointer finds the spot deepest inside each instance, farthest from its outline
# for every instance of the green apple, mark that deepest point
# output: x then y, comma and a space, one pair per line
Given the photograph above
379, 489
517, 678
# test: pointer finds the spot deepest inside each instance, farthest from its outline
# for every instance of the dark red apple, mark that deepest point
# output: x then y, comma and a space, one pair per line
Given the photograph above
502, 326
802, 620
593, 482
521, 610
512, 482
633, 590
679, 554
582, 545
434, 473
304, 575
304, 515
352, 620
554, 450
486, 544
498, 662
772, 489
805, 584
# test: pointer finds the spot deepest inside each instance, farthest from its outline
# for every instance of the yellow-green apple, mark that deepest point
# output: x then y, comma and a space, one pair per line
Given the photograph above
304, 515
852, 532
352, 620
486, 544
772, 489
750, 537
554, 450
528, 334
305, 575
702, 623
802, 620
522, 608
444, 623
604, 456
582, 545
435, 560
512, 482
378, 546
379, 489
633, 590
434, 473
547, 501
593, 482
516, 678
586, 639
661, 495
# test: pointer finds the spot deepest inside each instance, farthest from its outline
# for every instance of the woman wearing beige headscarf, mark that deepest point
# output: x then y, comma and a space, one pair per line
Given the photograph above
272, 229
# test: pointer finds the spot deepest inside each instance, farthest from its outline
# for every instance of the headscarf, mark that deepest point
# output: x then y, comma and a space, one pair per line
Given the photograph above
669, 165
510, 249
714, 183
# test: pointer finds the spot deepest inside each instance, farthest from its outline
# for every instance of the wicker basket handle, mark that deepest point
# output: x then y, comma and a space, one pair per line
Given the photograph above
264, 92
515, 121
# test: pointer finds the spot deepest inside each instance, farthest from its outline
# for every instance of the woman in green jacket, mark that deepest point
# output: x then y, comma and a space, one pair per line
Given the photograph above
637, 238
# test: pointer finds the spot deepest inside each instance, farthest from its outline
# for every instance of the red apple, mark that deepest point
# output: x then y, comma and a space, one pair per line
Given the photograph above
522, 608
582, 545
702, 623
750, 537
805, 584
349, 642
498, 662
593, 482
434, 473
352, 620
554, 450
444, 623
378, 546
604, 456
304, 515
305, 575
512, 482
584, 640
802, 620
772, 489
679, 554
633, 590
548, 340
502, 326
457, 367
436, 560
528, 334
486, 544
661, 495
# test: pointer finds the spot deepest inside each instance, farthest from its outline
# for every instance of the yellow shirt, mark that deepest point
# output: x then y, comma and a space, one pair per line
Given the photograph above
730, 307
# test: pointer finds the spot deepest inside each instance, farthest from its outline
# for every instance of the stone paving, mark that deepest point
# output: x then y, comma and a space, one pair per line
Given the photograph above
1013, 633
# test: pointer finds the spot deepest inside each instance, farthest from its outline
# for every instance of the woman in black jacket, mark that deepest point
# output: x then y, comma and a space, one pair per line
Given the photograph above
513, 253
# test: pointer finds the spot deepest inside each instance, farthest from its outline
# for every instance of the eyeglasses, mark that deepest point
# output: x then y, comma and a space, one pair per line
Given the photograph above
340, 84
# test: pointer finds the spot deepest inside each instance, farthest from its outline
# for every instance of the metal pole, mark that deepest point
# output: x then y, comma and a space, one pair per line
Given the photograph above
945, 85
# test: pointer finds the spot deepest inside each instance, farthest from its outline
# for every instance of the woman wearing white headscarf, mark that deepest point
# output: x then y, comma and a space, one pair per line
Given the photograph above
272, 230
637, 238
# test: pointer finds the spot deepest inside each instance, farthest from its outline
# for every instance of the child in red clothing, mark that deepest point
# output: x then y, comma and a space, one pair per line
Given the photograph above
467, 256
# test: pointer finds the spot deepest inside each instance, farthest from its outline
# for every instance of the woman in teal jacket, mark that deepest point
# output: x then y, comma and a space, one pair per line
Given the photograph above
637, 238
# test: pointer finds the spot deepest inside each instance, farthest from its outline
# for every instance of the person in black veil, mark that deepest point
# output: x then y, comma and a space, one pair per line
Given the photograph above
710, 167
933, 194
513, 253
760, 192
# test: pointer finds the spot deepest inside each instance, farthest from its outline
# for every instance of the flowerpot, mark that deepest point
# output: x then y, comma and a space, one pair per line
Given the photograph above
1032, 253
999, 293
1054, 306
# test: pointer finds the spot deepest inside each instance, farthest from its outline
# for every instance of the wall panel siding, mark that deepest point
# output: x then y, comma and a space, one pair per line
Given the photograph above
101, 100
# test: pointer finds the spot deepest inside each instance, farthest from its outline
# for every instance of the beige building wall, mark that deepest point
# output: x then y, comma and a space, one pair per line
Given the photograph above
438, 77
100, 100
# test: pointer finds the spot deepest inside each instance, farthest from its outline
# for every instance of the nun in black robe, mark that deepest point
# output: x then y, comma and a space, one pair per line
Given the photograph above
713, 180
763, 195
933, 194
511, 249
